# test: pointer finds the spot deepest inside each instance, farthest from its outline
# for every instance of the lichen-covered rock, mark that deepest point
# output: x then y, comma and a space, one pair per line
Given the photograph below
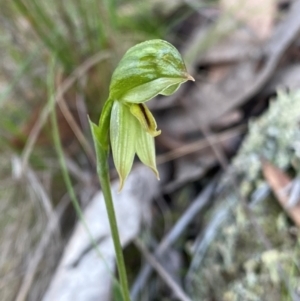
275, 137
237, 266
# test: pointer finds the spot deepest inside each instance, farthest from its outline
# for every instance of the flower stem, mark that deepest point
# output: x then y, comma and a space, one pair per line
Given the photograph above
103, 174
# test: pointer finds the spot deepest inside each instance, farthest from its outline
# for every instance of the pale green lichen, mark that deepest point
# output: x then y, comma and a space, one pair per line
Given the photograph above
274, 136
237, 266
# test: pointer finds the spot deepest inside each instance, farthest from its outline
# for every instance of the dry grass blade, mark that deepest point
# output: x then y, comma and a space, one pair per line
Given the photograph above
39, 253
28, 209
64, 87
51, 228
76, 130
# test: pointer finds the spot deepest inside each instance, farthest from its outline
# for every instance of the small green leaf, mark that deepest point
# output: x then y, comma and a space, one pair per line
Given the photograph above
95, 131
146, 70
104, 123
123, 127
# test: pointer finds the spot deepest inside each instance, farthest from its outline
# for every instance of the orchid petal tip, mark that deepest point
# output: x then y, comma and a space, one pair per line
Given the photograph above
189, 77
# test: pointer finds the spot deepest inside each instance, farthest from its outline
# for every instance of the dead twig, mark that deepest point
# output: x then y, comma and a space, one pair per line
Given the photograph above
176, 289
199, 145
197, 205
204, 240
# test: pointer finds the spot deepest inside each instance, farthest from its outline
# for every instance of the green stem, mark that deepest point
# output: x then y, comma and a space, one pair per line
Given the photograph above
103, 174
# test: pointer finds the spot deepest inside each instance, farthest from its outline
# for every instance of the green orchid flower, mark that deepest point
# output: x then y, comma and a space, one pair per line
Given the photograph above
146, 70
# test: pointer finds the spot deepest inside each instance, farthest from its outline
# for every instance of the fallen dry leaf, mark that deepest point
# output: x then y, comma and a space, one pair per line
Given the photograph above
210, 101
82, 275
279, 181
257, 14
